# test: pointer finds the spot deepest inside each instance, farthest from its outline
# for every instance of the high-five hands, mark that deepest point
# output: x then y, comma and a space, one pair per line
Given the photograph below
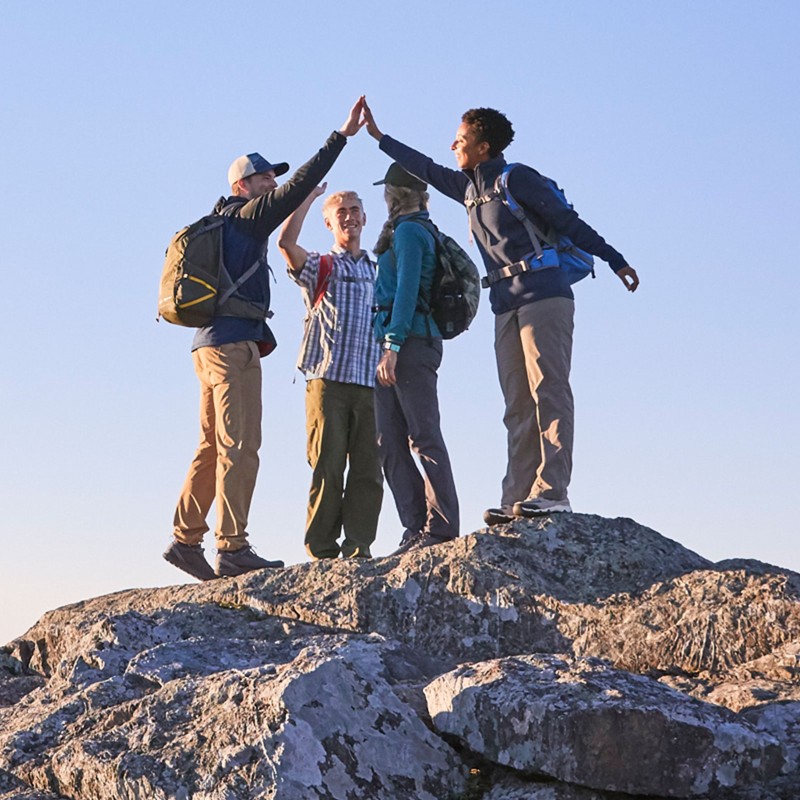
354, 123
369, 120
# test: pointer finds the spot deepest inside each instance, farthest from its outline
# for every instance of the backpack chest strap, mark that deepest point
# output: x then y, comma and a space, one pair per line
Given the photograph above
517, 268
509, 271
473, 202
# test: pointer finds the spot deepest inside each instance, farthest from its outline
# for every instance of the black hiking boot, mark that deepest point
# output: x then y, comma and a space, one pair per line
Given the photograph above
189, 558
231, 563
418, 541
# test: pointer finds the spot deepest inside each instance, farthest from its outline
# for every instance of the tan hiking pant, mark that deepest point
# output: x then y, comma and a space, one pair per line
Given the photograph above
533, 348
225, 465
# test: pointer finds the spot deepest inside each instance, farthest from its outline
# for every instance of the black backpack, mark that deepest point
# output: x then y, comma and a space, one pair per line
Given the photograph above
456, 288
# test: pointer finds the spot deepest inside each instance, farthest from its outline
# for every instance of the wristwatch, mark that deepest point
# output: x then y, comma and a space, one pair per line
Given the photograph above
395, 348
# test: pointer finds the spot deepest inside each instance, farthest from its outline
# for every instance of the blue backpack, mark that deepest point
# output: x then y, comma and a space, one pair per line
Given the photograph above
550, 249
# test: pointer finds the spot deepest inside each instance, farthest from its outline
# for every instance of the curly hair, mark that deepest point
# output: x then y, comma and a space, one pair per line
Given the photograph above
492, 127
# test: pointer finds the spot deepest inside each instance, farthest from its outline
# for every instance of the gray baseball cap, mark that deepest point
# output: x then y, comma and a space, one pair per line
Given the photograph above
252, 164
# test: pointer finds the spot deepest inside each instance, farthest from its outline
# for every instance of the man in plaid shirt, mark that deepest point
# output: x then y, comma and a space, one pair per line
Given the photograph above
339, 357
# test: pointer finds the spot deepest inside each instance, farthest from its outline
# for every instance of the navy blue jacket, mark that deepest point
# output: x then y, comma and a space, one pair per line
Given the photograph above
247, 228
500, 237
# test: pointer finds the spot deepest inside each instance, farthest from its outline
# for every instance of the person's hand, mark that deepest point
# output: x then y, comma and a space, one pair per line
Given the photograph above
629, 277
369, 120
386, 368
318, 191
353, 124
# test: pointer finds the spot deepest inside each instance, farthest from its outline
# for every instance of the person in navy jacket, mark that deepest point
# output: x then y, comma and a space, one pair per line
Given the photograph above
533, 308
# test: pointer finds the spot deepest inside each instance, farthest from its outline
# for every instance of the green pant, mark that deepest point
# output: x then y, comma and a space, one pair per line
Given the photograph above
340, 422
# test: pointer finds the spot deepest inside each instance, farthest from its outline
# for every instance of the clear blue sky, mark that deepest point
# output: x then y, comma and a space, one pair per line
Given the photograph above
674, 128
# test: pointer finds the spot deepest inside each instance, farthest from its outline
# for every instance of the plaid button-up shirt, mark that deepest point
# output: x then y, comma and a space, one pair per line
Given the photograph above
338, 342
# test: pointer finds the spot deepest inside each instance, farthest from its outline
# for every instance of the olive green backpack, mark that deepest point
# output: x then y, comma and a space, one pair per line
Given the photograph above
195, 286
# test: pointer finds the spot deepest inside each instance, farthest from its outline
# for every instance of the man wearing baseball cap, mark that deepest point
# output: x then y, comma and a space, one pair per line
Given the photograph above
226, 355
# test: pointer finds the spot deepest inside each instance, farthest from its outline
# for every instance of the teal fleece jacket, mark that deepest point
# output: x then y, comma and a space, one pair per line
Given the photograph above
405, 271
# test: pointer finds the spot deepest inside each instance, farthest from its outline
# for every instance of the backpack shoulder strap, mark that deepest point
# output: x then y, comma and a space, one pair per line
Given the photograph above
534, 234
323, 279
232, 286
429, 226
423, 302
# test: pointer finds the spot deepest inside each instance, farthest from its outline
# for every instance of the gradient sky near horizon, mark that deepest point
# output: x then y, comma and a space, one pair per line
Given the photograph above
673, 127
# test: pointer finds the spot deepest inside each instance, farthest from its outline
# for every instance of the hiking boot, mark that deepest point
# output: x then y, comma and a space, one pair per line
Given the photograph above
189, 558
499, 515
418, 541
359, 552
538, 506
407, 542
236, 562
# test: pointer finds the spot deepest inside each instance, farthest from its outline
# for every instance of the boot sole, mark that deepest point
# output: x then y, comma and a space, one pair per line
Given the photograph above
542, 512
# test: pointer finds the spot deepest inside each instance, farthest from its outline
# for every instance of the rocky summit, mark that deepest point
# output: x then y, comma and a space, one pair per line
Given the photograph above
565, 658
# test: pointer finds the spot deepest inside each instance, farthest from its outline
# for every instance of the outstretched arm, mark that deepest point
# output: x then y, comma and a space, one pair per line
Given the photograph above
270, 210
450, 182
287, 243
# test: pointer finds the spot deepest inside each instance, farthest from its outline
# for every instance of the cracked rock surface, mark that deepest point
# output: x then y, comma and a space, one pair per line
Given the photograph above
566, 658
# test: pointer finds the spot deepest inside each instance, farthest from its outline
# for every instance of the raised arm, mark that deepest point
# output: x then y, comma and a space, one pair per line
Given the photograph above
287, 243
450, 182
270, 210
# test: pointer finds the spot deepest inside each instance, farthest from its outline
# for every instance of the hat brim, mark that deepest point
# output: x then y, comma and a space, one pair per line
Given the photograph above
420, 186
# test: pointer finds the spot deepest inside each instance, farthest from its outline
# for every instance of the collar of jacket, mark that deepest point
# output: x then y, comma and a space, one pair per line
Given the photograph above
224, 202
414, 215
486, 173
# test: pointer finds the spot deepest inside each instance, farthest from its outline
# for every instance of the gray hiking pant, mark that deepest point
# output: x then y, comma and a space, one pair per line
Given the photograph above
407, 415
533, 348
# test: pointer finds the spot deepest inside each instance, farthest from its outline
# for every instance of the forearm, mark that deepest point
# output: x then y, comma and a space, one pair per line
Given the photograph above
269, 211
450, 182
294, 255
587, 238
533, 193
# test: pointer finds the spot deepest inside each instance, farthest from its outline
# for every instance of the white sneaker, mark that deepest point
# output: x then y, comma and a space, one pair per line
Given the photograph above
537, 506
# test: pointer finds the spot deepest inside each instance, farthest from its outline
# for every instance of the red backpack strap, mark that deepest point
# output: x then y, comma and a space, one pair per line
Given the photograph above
323, 278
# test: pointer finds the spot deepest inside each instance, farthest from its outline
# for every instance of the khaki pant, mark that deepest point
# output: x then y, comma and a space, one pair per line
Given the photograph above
225, 465
340, 423
533, 348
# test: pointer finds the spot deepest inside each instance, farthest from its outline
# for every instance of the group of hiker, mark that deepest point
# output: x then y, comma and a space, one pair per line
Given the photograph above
371, 348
